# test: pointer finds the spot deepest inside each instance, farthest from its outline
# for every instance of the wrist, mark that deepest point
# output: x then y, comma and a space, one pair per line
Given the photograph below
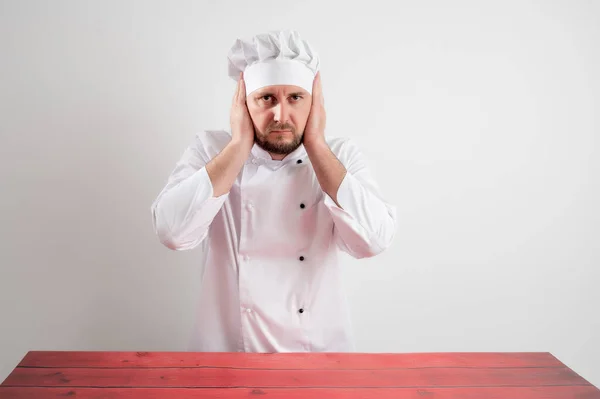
315, 144
241, 144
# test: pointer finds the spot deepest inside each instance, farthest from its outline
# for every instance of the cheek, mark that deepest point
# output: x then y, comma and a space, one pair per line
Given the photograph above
258, 118
302, 117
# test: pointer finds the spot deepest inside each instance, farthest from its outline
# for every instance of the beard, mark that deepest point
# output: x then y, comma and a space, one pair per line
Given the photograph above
278, 143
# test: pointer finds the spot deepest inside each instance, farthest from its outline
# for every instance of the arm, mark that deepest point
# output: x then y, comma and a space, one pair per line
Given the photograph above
329, 170
225, 167
199, 185
195, 192
364, 223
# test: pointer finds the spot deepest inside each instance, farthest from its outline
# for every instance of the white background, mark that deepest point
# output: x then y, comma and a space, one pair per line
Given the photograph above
480, 120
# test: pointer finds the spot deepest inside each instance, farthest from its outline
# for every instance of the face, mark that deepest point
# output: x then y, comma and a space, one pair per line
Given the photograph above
279, 115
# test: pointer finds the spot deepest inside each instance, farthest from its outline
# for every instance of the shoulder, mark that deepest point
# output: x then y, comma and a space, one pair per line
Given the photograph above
213, 137
344, 148
211, 142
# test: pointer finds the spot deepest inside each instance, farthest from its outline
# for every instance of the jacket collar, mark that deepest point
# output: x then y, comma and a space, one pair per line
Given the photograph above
261, 157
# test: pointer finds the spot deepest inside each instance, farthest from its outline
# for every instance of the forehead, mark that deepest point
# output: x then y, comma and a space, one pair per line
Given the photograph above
280, 90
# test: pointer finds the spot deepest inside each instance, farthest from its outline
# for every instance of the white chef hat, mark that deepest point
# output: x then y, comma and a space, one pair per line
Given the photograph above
273, 58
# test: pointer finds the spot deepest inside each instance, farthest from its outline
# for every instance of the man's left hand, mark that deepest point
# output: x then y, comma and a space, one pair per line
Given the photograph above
314, 133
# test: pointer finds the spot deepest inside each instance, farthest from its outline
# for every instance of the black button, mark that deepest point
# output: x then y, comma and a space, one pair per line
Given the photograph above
301, 310
302, 258
302, 206
299, 161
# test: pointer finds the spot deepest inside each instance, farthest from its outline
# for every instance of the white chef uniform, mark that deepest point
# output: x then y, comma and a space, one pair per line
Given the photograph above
270, 246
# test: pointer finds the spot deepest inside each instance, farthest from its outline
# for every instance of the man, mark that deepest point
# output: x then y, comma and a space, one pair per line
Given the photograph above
271, 204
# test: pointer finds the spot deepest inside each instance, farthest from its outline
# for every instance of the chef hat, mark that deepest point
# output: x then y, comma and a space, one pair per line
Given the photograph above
273, 58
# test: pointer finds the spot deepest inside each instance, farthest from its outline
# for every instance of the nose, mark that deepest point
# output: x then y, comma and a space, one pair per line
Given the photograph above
280, 112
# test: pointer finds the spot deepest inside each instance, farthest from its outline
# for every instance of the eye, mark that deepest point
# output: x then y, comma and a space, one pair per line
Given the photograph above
266, 97
296, 97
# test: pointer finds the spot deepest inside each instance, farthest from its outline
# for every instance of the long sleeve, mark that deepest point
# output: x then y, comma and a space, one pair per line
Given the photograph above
365, 225
185, 208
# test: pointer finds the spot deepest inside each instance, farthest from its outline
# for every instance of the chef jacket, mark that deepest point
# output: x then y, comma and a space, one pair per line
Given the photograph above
270, 246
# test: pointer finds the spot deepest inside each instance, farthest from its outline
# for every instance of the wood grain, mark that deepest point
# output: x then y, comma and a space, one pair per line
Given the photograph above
353, 361
228, 377
557, 392
137, 375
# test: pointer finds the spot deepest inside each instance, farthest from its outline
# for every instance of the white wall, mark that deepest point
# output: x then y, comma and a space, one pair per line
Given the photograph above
480, 120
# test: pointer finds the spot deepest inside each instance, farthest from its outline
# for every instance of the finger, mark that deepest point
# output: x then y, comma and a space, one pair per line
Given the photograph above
318, 89
236, 94
242, 93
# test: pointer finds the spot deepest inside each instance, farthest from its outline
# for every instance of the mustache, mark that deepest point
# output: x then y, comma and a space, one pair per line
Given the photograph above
285, 126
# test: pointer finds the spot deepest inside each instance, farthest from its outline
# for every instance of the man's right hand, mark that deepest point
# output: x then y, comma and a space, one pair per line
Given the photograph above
224, 168
242, 128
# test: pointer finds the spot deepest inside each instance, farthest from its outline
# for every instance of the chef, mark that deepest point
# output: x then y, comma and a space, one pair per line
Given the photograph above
272, 203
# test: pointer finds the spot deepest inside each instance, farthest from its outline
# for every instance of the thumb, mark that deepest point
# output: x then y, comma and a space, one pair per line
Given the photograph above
242, 94
242, 89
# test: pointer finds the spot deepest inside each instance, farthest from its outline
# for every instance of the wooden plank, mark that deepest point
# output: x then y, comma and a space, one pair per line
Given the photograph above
356, 361
555, 392
225, 377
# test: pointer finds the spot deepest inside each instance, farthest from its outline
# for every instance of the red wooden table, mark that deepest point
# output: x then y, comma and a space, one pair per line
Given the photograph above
137, 375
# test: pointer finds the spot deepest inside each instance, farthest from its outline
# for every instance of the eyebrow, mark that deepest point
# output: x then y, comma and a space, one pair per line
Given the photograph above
268, 93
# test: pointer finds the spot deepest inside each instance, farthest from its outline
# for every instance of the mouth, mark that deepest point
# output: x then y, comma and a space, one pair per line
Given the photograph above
281, 131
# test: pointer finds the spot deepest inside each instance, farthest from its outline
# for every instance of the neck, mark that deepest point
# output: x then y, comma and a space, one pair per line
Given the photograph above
277, 157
